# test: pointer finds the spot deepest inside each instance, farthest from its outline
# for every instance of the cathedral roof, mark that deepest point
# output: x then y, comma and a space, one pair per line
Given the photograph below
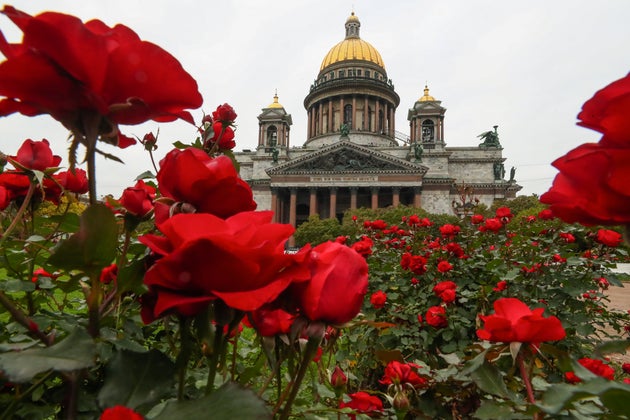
275, 103
352, 47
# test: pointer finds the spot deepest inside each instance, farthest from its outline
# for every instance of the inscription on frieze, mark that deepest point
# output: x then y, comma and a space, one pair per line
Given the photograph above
344, 178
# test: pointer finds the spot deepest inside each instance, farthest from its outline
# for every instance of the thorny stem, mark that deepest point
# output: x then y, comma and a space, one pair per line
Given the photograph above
24, 320
528, 384
20, 212
184, 355
294, 385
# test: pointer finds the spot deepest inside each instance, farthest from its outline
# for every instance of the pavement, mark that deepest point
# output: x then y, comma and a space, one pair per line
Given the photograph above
620, 296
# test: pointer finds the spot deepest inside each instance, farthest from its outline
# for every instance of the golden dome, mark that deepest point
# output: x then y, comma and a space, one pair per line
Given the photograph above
352, 18
352, 47
426, 96
275, 103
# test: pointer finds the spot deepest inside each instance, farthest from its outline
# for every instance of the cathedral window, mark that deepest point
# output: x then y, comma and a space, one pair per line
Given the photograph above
272, 136
428, 131
347, 115
367, 73
358, 72
342, 73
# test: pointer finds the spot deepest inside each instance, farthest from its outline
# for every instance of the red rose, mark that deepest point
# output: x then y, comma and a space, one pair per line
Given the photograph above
504, 213
439, 288
607, 112
240, 260
475, 219
545, 214
501, 286
224, 113
436, 317
569, 238
417, 264
223, 135
449, 230
626, 368
492, 224
120, 412
378, 299
270, 322
109, 274
364, 246
608, 237
211, 185
571, 378
591, 187
397, 373
76, 182
514, 321
36, 155
444, 266
338, 284
598, 367
138, 200
338, 379
363, 403
75, 71
448, 296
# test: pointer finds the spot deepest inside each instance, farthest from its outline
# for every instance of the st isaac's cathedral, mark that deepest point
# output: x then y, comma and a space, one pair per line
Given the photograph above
354, 156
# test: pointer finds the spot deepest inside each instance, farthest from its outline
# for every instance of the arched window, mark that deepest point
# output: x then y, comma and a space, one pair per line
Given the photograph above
272, 136
381, 120
347, 115
428, 131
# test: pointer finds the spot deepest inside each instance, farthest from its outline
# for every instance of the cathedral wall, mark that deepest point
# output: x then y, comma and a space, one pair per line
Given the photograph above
262, 197
436, 201
472, 171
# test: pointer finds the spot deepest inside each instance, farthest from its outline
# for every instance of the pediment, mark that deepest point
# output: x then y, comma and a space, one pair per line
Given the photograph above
273, 113
347, 157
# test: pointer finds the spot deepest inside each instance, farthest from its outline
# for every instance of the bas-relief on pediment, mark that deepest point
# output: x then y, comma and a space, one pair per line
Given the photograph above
347, 159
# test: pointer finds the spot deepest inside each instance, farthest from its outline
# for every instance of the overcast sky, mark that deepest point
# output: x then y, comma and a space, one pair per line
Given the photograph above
527, 67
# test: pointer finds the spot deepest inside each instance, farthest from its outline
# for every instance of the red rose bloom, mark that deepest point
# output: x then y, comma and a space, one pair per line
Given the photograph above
591, 187
5, 198
211, 185
397, 373
436, 317
76, 182
338, 284
269, 322
476, 219
138, 200
607, 112
492, 225
417, 264
596, 366
75, 71
545, 214
240, 260
626, 368
449, 230
504, 213
608, 237
120, 412
109, 274
363, 403
338, 379
378, 299
364, 246
514, 321
501, 286
224, 113
439, 288
36, 155
444, 266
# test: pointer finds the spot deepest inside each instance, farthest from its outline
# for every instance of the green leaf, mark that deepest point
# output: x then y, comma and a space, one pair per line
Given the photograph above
93, 246
491, 410
489, 379
75, 352
145, 175
230, 402
614, 346
130, 277
133, 379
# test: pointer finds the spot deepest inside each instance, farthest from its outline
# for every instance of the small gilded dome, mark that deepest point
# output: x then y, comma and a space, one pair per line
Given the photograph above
352, 18
352, 47
275, 103
426, 97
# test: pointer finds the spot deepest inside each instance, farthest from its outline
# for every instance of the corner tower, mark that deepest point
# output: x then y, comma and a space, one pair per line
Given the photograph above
274, 125
352, 93
426, 122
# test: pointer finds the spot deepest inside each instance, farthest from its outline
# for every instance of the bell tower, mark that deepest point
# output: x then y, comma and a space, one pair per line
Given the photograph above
274, 125
426, 122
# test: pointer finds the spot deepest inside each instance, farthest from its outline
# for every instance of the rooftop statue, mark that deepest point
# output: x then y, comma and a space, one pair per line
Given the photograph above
490, 138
